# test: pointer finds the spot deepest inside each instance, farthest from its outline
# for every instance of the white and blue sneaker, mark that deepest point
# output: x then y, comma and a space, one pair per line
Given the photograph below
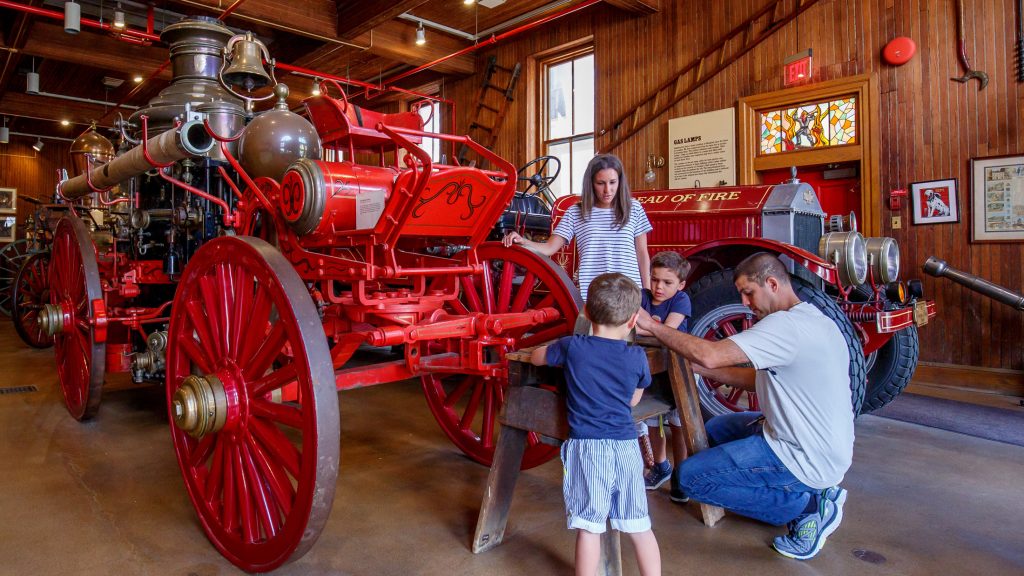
808, 532
658, 475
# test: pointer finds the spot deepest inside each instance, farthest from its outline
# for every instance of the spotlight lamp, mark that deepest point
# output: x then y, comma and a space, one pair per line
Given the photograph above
421, 35
316, 87
119, 17
5, 133
72, 17
38, 146
32, 80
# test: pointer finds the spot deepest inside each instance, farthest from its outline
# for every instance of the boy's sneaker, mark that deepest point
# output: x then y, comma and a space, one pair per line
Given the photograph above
678, 496
807, 533
658, 475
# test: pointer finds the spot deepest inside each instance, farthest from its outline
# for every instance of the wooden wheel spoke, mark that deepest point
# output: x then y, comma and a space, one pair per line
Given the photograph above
487, 285
287, 415
735, 395
273, 381
245, 492
262, 500
267, 352
278, 446
729, 329
473, 303
275, 474
195, 353
211, 302
505, 287
466, 422
257, 326
242, 286
229, 518
201, 325
522, 297
202, 450
459, 390
213, 484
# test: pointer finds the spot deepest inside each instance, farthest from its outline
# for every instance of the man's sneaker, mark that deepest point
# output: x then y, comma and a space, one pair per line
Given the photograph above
658, 475
807, 533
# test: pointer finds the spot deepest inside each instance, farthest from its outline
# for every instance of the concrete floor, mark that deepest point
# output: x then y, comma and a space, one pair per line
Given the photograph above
107, 497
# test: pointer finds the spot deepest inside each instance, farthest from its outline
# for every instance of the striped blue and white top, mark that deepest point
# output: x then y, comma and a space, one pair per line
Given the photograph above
600, 246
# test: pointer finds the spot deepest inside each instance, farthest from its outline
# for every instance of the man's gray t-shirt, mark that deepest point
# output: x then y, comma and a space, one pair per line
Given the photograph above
803, 384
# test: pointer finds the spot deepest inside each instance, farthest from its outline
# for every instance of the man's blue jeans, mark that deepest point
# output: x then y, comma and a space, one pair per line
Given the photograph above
741, 473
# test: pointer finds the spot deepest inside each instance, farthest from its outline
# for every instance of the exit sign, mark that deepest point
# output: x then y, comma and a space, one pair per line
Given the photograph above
797, 68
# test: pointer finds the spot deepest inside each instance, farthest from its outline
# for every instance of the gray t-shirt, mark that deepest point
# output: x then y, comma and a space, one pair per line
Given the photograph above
803, 384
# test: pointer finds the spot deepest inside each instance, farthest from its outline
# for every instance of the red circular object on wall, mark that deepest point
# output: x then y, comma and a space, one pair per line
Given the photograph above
899, 51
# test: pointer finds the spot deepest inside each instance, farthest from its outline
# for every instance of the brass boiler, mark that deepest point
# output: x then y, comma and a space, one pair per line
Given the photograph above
940, 269
319, 197
196, 52
189, 140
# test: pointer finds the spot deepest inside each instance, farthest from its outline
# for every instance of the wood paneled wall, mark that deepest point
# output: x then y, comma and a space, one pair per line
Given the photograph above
33, 173
930, 126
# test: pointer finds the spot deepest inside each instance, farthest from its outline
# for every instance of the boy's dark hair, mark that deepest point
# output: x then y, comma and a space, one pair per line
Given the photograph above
758, 267
672, 261
612, 299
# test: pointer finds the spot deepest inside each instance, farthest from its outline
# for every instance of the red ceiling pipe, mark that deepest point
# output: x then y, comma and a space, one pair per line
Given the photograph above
134, 34
493, 40
230, 9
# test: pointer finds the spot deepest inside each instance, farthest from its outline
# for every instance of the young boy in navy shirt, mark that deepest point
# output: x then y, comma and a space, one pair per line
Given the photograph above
667, 303
605, 377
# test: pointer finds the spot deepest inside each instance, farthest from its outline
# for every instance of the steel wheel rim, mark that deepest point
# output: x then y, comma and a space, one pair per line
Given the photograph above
717, 324
467, 407
29, 293
74, 284
270, 504
12, 257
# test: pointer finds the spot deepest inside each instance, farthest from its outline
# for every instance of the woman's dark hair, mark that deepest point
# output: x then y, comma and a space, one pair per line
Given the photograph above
622, 198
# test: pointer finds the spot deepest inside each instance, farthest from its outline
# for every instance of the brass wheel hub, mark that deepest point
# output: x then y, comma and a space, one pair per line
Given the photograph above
51, 319
200, 406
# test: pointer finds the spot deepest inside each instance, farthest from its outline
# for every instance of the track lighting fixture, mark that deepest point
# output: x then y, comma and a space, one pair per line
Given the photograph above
38, 146
32, 80
119, 17
5, 133
316, 86
72, 17
421, 35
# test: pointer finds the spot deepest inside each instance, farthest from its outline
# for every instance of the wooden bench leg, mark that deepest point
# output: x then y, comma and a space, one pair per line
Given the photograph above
501, 482
610, 563
684, 388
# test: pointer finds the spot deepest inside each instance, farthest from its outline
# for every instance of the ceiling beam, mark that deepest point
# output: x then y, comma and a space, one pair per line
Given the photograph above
639, 6
56, 109
396, 40
312, 18
356, 17
49, 41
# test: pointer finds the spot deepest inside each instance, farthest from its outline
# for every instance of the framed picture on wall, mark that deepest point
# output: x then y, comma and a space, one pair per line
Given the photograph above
934, 202
997, 199
8, 200
8, 228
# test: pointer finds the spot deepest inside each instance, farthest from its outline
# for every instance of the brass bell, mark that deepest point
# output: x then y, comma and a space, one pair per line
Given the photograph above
246, 57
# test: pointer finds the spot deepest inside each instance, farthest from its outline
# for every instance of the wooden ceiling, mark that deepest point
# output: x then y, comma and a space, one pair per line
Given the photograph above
365, 40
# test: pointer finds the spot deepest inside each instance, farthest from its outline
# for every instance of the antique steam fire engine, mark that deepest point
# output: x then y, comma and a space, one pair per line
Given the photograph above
242, 269
852, 279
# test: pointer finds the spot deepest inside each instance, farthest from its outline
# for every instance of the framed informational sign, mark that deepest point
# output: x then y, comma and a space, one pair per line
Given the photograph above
934, 202
702, 149
8, 200
997, 199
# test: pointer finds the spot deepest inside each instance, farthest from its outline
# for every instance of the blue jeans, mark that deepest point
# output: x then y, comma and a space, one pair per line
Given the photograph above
741, 473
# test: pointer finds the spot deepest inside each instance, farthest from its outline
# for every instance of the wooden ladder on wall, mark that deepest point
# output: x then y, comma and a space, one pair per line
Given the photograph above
490, 105
718, 57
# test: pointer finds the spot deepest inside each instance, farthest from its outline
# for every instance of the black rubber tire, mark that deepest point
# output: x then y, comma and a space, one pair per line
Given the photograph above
893, 367
716, 290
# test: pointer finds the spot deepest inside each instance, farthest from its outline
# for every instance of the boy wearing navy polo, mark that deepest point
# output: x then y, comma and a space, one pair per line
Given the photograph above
605, 377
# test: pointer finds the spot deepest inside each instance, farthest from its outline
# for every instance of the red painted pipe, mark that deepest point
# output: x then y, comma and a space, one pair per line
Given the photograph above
227, 12
85, 21
493, 40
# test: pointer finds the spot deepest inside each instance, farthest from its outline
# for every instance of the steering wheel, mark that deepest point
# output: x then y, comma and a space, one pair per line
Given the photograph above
533, 172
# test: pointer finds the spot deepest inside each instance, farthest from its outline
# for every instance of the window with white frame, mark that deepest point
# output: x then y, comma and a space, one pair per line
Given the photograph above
430, 111
567, 106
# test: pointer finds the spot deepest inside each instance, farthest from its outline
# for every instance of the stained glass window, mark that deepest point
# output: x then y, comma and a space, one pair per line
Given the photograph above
817, 125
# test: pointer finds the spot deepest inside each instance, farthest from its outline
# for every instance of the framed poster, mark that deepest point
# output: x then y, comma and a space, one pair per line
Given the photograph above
8, 200
8, 228
997, 199
934, 202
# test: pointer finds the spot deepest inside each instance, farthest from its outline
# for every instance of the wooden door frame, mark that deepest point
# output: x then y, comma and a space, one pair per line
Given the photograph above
866, 150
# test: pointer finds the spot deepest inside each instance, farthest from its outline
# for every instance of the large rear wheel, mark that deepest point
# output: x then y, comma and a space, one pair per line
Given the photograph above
467, 406
12, 257
891, 368
76, 299
260, 470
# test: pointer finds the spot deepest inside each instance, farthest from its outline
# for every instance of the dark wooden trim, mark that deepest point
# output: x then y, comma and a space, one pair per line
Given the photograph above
982, 380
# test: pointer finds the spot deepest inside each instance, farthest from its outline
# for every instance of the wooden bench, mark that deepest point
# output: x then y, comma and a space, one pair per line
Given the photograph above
530, 408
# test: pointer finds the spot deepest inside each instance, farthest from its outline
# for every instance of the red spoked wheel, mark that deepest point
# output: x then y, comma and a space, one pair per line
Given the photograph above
75, 293
12, 257
260, 471
29, 294
467, 406
723, 321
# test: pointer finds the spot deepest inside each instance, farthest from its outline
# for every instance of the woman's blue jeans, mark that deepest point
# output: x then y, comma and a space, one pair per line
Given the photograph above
741, 473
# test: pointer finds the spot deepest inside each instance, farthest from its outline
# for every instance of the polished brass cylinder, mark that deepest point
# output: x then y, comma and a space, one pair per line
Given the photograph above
200, 406
50, 319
